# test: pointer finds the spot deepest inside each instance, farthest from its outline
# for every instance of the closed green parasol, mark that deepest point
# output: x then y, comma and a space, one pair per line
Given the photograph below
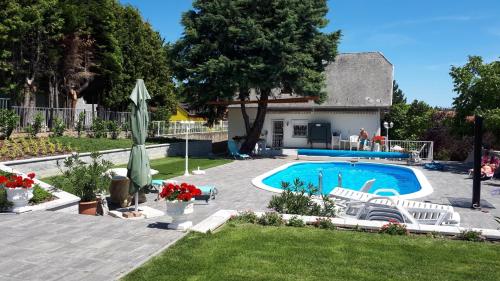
138, 169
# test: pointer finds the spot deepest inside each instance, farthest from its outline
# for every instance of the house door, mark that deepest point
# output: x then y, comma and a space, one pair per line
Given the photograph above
277, 133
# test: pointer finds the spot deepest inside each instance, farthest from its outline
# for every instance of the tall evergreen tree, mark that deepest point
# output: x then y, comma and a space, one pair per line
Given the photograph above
397, 94
229, 47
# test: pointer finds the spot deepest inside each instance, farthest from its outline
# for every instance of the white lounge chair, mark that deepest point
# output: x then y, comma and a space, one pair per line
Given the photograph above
371, 210
415, 155
353, 142
367, 185
425, 213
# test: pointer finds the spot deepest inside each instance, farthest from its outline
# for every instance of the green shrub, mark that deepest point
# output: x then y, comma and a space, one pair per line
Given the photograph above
98, 127
87, 180
114, 129
394, 228
38, 122
126, 128
4, 204
162, 113
246, 217
296, 222
324, 223
80, 123
471, 235
271, 218
298, 200
58, 127
40, 195
8, 122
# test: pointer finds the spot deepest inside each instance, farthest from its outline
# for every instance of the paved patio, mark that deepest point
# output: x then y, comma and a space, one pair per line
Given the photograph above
60, 246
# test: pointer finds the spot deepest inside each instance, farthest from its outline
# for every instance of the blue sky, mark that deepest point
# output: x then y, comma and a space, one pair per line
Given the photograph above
421, 38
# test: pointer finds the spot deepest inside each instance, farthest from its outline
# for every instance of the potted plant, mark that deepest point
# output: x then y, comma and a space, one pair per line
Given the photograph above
19, 190
377, 142
85, 180
180, 202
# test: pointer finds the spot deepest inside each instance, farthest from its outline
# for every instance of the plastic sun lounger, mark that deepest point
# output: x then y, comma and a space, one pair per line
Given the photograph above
386, 212
427, 213
233, 151
208, 192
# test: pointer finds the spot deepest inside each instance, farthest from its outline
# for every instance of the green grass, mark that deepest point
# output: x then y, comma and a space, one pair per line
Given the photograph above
168, 167
85, 144
252, 252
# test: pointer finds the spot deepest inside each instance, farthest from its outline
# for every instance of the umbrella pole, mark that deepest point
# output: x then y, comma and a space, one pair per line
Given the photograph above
136, 198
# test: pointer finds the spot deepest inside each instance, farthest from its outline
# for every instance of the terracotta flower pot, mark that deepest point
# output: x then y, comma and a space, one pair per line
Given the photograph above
87, 208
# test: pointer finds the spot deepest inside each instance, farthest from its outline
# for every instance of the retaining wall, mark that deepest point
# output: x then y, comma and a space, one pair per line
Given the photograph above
47, 166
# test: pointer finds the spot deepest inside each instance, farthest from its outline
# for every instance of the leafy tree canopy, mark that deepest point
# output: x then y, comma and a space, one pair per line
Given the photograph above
477, 84
233, 46
93, 48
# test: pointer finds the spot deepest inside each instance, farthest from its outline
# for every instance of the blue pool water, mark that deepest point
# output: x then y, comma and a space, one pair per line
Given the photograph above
353, 176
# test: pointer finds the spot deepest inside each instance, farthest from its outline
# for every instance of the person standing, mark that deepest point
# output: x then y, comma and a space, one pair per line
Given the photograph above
363, 138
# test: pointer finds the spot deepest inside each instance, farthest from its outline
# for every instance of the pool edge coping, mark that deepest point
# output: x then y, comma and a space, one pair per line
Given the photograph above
426, 187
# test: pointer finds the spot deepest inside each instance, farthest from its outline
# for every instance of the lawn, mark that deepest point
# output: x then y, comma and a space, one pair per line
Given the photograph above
253, 252
168, 167
85, 144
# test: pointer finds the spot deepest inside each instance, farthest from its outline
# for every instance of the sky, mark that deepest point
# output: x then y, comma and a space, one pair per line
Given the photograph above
422, 39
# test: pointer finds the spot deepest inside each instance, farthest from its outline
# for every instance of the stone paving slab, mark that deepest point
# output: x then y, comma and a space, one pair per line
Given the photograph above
59, 246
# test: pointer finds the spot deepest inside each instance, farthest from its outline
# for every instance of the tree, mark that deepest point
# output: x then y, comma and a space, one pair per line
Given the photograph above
231, 47
477, 84
145, 55
29, 30
397, 94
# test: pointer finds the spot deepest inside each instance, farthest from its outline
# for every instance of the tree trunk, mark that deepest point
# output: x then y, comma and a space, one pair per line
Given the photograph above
243, 94
253, 136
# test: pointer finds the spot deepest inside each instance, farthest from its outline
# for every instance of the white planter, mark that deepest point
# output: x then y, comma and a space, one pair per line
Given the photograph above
178, 211
19, 197
376, 147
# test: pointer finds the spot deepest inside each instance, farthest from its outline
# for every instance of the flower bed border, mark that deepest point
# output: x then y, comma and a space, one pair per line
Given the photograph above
63, 200
220, 217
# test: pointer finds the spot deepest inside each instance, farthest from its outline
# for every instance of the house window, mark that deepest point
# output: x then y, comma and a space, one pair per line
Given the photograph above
299, 129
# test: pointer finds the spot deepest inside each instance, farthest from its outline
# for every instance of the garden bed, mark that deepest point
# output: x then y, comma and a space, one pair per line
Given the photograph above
26, 148
46, 197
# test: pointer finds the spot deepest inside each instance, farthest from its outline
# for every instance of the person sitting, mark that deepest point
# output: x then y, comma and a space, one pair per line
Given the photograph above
363, 138
488, 166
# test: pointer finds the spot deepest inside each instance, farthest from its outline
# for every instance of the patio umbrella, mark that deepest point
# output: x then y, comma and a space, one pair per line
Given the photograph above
138, 169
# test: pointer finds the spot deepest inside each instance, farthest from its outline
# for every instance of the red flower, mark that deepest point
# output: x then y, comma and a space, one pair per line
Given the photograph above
31, 175
183, 192
15, 181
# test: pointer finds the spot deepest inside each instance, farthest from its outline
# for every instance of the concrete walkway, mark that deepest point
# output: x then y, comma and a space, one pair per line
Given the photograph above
60, 246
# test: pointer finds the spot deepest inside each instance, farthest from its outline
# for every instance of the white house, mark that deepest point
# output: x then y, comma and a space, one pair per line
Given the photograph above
359, 87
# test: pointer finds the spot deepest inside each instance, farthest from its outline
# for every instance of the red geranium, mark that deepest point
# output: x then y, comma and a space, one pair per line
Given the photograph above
378, 139
15, 181
182, 192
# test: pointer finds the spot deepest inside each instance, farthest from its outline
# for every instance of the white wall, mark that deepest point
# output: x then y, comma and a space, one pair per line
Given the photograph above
344, 122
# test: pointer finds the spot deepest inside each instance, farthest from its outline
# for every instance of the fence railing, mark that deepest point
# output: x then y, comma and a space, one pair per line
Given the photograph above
68, 115
163, 128
4, 103
425, 149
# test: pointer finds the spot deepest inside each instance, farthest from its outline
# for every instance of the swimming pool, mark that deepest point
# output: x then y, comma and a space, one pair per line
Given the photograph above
409, 182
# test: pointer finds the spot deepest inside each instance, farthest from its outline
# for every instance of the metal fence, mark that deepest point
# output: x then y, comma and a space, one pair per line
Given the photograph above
68, 115
4, 103
425, 149
163, 128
